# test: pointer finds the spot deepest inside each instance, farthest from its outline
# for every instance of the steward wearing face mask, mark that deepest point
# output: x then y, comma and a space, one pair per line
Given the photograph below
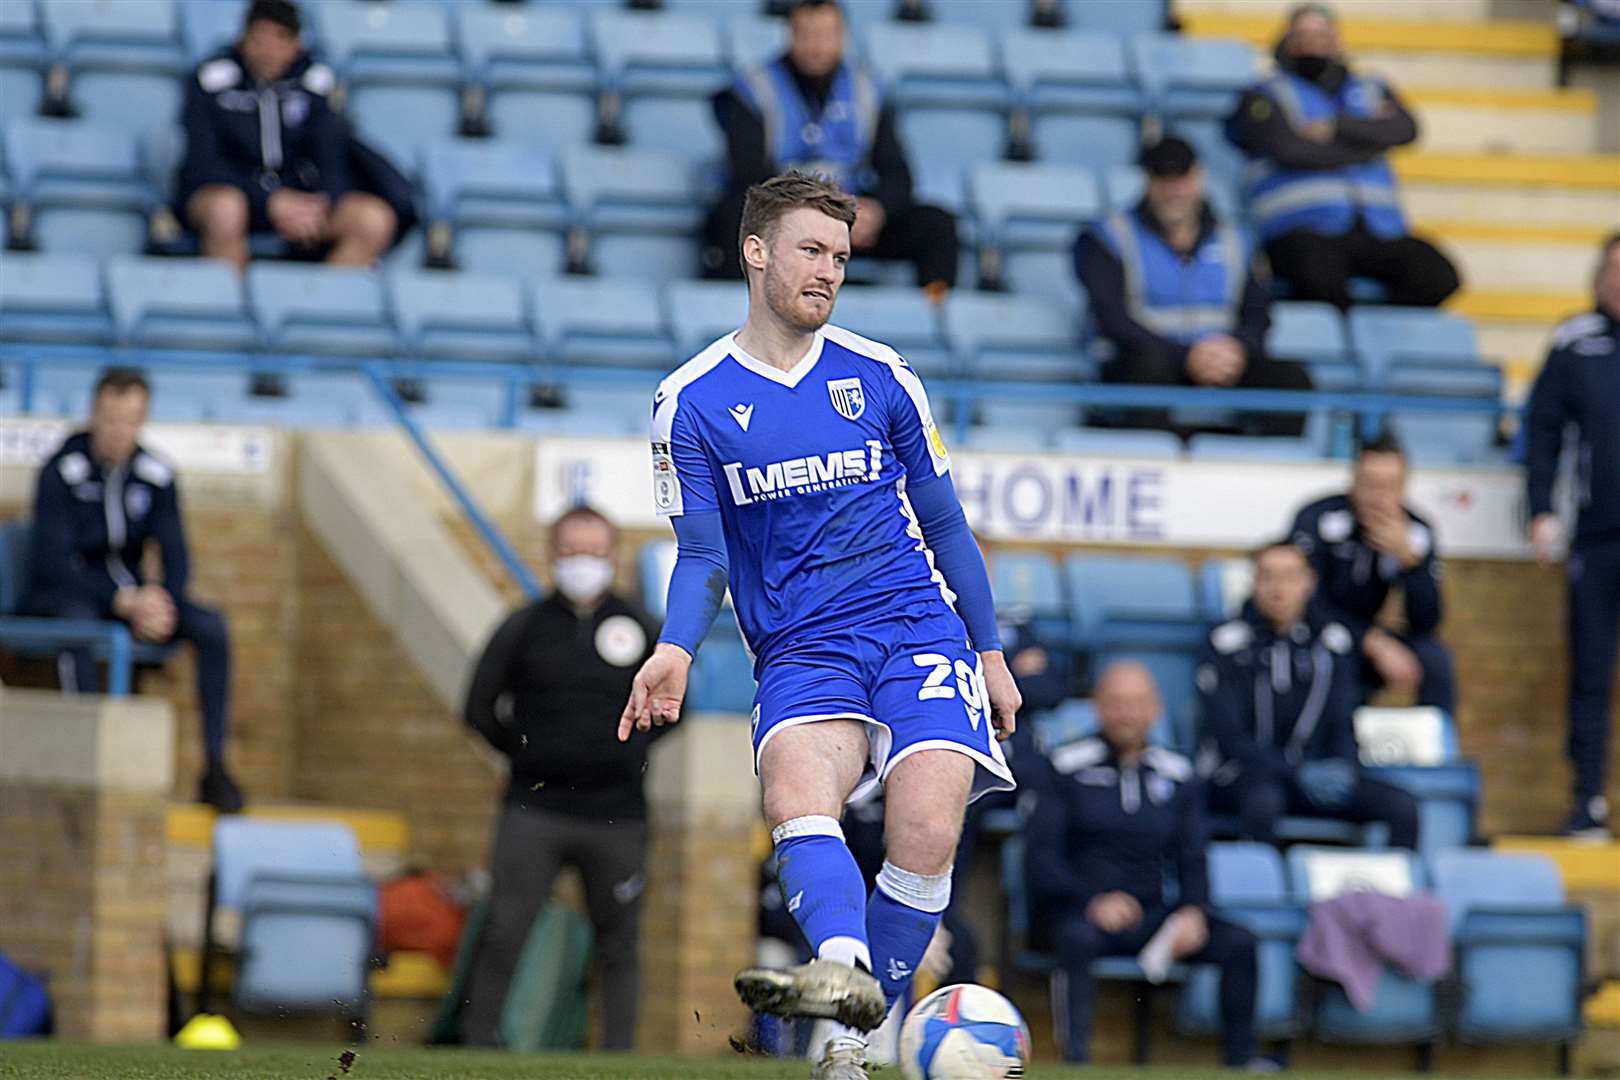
1321, 194
547, 693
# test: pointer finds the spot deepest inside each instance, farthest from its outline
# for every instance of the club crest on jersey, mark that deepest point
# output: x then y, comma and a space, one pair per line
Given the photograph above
847, 397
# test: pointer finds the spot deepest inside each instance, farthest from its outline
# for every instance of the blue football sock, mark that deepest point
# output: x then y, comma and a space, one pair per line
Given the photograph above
901, 916
823, 887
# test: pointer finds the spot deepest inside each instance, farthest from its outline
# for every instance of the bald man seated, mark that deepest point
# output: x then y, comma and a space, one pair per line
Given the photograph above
1115, 867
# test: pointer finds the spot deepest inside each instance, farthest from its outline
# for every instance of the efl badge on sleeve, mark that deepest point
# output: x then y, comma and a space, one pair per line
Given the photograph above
847, 397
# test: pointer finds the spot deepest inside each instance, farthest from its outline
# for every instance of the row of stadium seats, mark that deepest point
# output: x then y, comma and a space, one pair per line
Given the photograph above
1518, 973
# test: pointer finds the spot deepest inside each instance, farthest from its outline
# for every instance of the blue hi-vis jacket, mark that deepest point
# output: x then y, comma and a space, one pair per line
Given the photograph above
1327, 201
836, 142
1179, 297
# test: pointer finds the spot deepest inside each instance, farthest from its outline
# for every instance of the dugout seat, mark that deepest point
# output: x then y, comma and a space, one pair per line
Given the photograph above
1000, 336
460, 315
182, 303
600, 321
52, 298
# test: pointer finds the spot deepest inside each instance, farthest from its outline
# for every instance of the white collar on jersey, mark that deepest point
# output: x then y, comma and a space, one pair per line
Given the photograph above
789, 378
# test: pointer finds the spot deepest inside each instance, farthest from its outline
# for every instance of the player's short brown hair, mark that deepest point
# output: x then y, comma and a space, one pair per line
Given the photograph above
765, 204
121, 380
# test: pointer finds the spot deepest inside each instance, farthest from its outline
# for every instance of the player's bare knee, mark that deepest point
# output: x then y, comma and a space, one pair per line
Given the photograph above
366, 220
219, 211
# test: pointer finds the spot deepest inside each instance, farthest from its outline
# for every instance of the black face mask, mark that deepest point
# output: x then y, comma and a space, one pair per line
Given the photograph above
1315, 68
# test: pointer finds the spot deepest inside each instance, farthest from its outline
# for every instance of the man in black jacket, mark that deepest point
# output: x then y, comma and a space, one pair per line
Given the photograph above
1176, 294
1579, 386
547, 693
101, 498
1363, 544
1115, 821
810, 110
264, 151
1280, 687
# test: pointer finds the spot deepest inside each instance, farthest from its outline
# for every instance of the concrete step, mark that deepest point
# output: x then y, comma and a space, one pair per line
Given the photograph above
1519, 258
1580, 190
1393, 10
1505, 120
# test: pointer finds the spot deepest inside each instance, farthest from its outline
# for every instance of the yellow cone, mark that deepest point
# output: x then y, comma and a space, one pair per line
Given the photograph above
208, 1031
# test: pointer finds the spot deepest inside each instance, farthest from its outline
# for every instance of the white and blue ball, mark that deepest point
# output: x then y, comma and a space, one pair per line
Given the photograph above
964, 1032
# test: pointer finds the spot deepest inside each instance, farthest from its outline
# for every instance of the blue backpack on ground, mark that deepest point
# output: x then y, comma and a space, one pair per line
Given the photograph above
25, 1007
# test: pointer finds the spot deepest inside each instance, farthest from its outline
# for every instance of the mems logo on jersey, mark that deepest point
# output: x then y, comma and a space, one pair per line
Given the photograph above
804, 475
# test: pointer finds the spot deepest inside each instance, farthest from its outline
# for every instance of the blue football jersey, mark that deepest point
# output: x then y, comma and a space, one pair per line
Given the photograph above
807, 468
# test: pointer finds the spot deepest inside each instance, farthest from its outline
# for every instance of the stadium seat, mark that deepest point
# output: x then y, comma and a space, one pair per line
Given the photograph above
1192, 77
1097, 142
1028, 585
630, 404
701, 311
657, 52
629, 190
186, 303
1248, 886
460, 315
755, 39
1036, 417
1223, 162
1223, 586
1313, 333
504, 250
899, 317
1520, 949
652, 257
20, 91
1430, 438
943, 144
397, 63
554, 119
601, 321
1218, 447
463, 404
1391, 338
1126, 18
675, 125
998, 336
1402, 1010
195, 395
319, 309
1117, 442
112, 34
1022, 205
480, 182
935, 64
533, 46
1082, 71
1010, 434
1109, 592
1416, 749
722, 677
654, 565
21, 42
207, 26
307, 914
74, 163
52, 298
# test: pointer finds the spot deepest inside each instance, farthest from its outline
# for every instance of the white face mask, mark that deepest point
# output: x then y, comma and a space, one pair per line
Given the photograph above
582, 578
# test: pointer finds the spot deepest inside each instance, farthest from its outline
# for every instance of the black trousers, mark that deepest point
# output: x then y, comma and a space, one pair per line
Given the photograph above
1439, 686
1320, 267
1078, 942
922, 235
1164, 367
531, 846
203, 627
1594, 640
1261, 803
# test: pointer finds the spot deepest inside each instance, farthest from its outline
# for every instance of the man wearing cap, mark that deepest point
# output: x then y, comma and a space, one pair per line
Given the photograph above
1177, 294
1321, 193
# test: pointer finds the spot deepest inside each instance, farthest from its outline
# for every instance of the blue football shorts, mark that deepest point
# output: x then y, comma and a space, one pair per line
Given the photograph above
910, 677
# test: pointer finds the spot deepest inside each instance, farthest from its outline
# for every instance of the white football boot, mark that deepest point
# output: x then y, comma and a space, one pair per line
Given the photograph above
820, 988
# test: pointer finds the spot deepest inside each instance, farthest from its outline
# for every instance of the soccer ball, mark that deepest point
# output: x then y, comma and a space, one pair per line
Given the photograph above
964, 1032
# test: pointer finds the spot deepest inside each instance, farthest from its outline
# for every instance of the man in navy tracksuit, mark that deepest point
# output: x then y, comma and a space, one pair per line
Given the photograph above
1362, 545
1579, 386
100, 498
265, 152
1115, 856
1280, 686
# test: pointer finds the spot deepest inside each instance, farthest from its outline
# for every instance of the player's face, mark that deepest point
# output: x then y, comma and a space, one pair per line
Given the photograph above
1127, 704
817, 45
1283, 583
116, 420
805, 268
1608, 282
1379, 485
269, 49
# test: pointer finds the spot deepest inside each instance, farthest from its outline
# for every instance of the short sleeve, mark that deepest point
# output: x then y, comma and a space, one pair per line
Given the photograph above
912, 430
682, 480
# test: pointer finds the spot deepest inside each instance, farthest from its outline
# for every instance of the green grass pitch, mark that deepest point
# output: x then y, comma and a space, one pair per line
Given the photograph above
68, 1061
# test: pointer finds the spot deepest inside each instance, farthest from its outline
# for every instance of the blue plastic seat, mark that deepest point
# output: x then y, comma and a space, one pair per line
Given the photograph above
1028, 584
188, 303
20, 91
536, 46
207, 26
943, 144
1223, 162
675, 125
505, 183
657, 52
22, 43
397, 62
1009, 434
113, 34
1520, 948
319, 309
1000, 336
1217, 447
74, 163
502, 249
1035, 417
753, 39
1045, 274
899, 317
701, 311
1391, 338
461, 404
307, 914
1416, 749
1314, 333
1021, 207
52, 298
1082, 71
1098, 142
1106, 591
935, 64
1223, 586
597, 320
1123, 17
317, 399
1192, 77
553, 119
722, 676
460, 315
1117, 442
652, 257
609, 188
1431, 438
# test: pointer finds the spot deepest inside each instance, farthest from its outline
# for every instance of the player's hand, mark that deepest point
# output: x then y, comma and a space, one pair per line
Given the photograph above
1114, 911
152, 614
1546, 537
1005, 700
657, 691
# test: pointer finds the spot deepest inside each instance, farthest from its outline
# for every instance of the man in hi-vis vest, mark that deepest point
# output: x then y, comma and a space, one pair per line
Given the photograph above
1321, 195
